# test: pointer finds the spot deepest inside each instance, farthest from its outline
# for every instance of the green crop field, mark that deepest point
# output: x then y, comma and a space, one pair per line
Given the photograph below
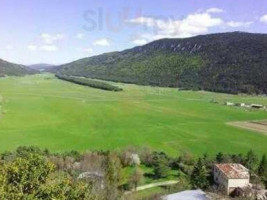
42, 110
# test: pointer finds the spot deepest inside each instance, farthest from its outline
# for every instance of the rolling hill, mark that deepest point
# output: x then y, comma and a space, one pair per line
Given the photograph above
11, 69
225, 62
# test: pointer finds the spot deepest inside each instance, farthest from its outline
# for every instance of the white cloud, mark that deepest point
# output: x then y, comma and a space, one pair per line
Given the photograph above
193, 24
101, 42
48, 48
50, 39
32, 47
80, 36
264, 18
47, 43
140, 41
214, 10
86, 50
9, 47
236, 24
147, 21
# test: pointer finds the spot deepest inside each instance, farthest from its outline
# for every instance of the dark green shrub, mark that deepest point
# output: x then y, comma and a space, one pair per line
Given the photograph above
90, 83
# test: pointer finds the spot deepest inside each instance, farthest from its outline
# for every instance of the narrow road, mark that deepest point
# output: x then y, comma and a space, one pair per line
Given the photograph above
152, 185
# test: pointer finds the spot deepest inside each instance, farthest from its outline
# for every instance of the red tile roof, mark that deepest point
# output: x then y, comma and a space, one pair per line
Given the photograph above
233, 171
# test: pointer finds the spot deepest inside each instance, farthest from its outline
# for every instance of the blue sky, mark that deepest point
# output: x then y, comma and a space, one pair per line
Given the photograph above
60, 31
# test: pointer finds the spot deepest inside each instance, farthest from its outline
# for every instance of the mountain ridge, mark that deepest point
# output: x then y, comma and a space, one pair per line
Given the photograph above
12, 69
234, 62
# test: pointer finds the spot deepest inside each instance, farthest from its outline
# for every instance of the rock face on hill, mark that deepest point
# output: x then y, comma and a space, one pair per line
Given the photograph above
225, 62
11, 69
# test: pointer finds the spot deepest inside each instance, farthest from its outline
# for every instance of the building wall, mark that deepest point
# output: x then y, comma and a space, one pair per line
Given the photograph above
219, 178
234, 183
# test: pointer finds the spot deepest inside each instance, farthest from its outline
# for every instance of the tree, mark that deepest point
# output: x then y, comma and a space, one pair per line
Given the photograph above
238, 158
60, 186
112, 176
159, 157
262, 170
223, 158
219, 157
161, 169
27, 174
186, 158
24, 151
146, 156
24, 176
251, 160
207, 161
2, 178
199, 176
136, 177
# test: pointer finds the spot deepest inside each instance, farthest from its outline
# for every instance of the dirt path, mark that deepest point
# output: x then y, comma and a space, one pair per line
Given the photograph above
258, 126
152, 185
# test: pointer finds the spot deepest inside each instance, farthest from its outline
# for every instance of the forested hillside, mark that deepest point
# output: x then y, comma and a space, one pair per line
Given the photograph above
11, 69
227, 62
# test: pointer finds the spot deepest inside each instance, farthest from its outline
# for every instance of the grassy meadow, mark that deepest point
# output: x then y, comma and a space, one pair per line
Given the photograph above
51, 113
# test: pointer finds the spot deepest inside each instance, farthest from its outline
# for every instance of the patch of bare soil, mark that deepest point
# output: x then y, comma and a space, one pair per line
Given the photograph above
258, 126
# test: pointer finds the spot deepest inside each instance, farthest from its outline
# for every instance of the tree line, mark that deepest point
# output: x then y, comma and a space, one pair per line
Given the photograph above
89, 82
31, 173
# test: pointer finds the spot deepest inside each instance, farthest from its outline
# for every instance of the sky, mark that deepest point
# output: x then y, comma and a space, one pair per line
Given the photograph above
61, 31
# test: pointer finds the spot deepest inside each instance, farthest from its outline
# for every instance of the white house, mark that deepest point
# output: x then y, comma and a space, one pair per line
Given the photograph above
231, 176
187, 195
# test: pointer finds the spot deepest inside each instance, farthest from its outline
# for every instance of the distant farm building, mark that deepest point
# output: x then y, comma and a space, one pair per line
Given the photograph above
243, 105
230, 104
258, 106
231, 176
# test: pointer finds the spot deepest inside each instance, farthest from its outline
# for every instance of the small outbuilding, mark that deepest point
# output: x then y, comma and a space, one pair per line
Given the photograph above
231, 176
257, 106
230, 104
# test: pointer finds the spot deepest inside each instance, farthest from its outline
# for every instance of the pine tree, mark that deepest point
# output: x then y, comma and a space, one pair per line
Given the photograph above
262, 170
112, 176
199, 176
251, 160
219, 157
136, 177
161, 169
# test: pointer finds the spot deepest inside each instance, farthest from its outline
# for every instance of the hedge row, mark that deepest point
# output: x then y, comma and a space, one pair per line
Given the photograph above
89, 82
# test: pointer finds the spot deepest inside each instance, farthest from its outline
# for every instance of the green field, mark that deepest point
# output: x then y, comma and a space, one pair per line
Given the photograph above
42, 110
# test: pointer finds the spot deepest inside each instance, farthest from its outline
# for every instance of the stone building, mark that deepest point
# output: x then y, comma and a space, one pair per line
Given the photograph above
231, 176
